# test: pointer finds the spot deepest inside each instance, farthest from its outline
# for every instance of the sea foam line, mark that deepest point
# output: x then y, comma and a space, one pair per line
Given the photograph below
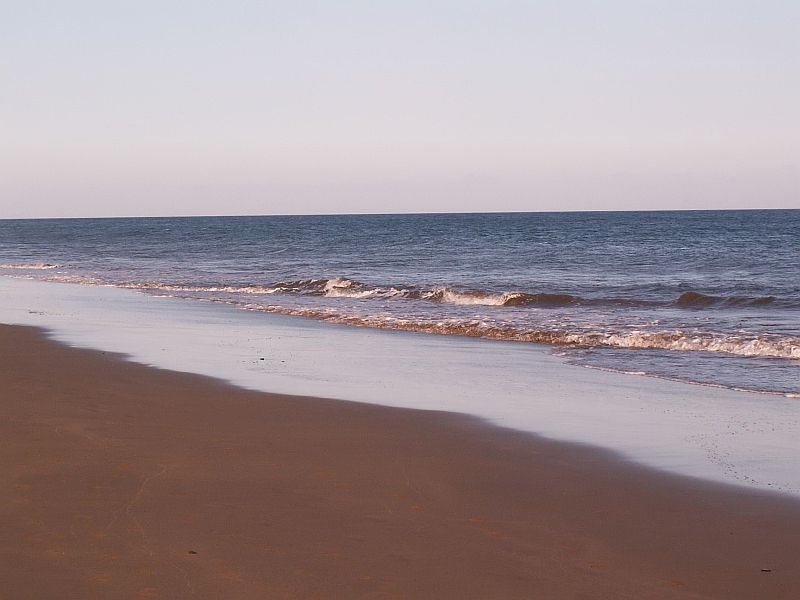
29, 266
783, 348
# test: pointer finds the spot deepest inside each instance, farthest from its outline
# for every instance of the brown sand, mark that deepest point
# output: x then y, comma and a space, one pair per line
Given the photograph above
122, 481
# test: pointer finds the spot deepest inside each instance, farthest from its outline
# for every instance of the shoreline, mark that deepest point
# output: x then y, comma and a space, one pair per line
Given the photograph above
116, 486
712, 433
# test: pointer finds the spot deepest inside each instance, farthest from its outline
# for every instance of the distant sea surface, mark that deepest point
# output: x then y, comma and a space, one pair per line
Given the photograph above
709, 297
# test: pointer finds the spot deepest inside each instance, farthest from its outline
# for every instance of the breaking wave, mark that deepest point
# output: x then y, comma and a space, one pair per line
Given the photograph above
341, 287
449, 296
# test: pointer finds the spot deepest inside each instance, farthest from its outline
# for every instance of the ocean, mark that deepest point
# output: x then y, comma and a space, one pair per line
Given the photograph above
586, 327
710, 297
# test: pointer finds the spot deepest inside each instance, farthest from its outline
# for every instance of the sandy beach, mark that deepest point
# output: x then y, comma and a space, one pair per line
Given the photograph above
123, 481
400, 300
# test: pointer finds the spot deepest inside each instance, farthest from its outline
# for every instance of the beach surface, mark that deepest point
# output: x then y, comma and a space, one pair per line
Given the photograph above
124, 481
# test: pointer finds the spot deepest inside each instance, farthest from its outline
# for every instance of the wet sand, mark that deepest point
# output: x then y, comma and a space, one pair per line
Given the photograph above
123, 481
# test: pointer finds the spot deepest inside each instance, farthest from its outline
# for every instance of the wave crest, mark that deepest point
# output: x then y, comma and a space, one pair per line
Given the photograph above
511, 299
342, 287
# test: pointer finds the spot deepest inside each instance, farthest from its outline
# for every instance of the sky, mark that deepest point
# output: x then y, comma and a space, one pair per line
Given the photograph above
193, 107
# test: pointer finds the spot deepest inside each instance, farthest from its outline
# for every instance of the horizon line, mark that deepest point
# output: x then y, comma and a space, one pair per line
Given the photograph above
379, 214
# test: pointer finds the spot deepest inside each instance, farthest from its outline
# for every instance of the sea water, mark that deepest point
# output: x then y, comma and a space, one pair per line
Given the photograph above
710, 297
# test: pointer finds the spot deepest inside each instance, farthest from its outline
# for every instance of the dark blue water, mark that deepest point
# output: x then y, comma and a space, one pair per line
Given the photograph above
707, 296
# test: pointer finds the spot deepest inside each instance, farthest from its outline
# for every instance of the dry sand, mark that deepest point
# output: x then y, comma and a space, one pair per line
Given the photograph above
123, 481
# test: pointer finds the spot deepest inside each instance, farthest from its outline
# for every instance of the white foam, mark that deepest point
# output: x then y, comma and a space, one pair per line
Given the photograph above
773, 347
449, 296
256, 290
29, 266
337, 284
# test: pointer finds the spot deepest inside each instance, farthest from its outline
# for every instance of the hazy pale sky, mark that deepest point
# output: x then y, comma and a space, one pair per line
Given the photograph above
245, 107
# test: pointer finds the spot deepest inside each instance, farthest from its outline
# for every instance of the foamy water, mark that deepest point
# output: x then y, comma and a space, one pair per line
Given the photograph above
28, 266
